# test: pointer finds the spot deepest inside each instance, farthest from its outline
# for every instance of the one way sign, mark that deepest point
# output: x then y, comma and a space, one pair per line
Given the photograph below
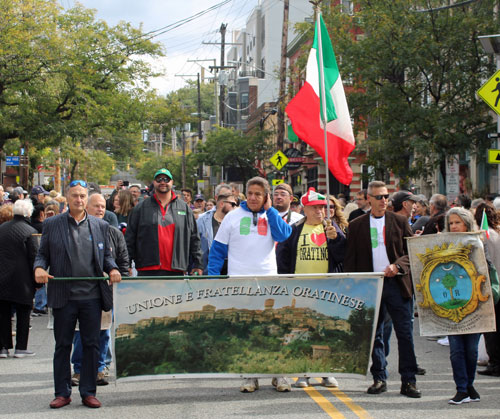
493, 156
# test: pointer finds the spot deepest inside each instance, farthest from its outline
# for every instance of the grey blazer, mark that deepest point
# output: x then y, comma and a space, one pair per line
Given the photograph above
53, 253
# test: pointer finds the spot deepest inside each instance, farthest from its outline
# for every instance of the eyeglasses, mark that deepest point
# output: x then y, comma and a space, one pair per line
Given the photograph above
380, 197
233, 204
82, 183
162, 179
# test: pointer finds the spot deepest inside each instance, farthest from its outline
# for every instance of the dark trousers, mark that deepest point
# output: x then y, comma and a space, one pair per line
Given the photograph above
399, 309
22, 327
88, 314
492, 341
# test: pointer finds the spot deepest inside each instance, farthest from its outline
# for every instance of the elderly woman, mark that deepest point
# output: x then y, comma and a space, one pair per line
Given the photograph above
18, 248
463, 348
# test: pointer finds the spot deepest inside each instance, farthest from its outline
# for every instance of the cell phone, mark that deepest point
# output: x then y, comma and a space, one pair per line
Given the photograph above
126, 183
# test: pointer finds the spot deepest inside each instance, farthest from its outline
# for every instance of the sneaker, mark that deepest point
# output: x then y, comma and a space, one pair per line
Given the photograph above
106, 372
4, 353
75, 380
329, 382
473, 394
20, 353
283, 385
40, 312
249, 385
460, 398
377, 387
444, 341
302, 382
101, 380
410, 390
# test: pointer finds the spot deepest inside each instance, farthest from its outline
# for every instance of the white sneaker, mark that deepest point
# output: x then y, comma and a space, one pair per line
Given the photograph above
20, 353
4, 353
282, 384
249, 385
329, 382
302, 382
444, 341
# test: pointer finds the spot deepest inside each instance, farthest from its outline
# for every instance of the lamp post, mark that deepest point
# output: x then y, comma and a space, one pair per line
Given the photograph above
491, 45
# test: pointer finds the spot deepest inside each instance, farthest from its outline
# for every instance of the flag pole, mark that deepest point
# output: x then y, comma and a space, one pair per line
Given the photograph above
323, 104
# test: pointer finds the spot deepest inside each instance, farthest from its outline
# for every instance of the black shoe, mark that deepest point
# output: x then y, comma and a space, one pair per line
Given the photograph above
377, 387
489, 371
473, 394
40, 312
420, 370
460, 398
410, 390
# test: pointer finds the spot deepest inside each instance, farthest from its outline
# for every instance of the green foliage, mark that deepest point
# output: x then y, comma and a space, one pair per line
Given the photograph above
229, 148
414, 77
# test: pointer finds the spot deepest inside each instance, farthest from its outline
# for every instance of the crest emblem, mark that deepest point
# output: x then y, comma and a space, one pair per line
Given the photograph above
449, 283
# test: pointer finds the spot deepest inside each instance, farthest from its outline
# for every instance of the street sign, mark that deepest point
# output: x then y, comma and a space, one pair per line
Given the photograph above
493, 156
295, 158
276, 182
490, 92
279, 160
12, 160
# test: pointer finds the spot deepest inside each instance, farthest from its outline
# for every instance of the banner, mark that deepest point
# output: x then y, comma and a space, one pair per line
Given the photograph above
451, 283
279, 325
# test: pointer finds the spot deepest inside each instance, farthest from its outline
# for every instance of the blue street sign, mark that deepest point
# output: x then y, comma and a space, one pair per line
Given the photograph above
11, 160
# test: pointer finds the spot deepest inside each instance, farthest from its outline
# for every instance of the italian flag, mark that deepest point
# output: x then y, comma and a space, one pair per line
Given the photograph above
304, 110
484, 224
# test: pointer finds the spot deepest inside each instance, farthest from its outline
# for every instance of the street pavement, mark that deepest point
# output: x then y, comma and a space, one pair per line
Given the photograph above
26, 389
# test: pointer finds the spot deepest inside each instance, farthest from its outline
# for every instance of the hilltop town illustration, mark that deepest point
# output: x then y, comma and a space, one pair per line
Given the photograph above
245, 340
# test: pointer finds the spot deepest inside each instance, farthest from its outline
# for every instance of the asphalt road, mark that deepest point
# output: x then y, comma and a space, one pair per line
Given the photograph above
26, 389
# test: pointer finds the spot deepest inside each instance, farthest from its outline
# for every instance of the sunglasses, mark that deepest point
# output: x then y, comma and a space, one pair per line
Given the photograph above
82, 183
233, 204
380, 197
162, 179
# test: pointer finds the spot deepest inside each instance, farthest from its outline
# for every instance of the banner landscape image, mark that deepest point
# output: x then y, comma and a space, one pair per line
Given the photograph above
244, 326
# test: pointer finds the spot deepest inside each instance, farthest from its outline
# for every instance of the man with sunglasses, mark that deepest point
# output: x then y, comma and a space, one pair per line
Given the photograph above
162, 235
376, 243
75, 244
209, 223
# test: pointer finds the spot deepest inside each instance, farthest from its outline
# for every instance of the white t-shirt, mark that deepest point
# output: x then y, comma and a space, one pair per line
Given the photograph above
250, 247
379, 251
294, 216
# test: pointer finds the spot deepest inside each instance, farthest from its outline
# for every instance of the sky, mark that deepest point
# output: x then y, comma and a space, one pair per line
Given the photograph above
182, 43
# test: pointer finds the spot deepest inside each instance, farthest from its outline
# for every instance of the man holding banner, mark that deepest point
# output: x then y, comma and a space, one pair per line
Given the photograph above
376, 243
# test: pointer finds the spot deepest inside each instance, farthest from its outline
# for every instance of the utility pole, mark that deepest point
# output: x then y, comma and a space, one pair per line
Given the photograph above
222, 45
183, 156
199, 109
282, 91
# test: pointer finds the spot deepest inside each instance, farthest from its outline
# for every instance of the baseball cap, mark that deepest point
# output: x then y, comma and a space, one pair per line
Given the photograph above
163, 172
38, 190
312, 198
401, 196
285, 187
199, 197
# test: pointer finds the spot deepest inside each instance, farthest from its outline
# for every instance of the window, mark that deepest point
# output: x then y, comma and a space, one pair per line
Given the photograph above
244, 103
348, 7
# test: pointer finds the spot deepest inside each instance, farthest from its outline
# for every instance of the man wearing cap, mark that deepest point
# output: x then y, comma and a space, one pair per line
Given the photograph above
282, 198
17, 193
376, 243
247, 237
75, 244
313, 247
162, 236
403, 203
37, 194
199, 202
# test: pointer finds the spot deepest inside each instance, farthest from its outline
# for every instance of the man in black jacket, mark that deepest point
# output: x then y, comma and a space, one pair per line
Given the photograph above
162, 235
75, 244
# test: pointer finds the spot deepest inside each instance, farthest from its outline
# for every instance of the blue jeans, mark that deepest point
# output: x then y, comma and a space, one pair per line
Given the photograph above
88, 313
400, 311
104, 345
41, 298
463, 356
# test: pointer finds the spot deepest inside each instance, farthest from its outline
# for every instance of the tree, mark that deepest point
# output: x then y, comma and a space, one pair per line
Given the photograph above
229, 148
449, 282
414, 76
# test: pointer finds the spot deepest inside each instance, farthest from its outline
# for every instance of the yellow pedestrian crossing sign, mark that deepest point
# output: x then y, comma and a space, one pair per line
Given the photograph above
279, 160
490, 92
493, 156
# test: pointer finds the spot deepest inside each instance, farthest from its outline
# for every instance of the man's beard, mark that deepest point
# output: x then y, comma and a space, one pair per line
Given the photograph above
281, 207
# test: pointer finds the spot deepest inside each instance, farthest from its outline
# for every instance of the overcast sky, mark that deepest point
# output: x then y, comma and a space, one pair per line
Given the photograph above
182, 43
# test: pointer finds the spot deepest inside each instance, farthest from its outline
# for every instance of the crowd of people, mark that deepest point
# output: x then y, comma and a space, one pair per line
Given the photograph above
168, 233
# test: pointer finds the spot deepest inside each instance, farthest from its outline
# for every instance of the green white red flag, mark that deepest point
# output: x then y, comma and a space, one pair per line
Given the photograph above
484, 224
304, 110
